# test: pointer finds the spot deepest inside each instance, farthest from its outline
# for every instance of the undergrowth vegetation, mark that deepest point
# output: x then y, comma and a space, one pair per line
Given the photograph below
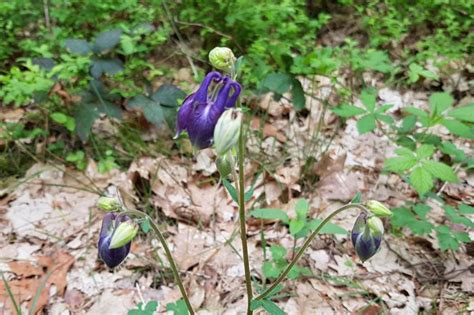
85, 81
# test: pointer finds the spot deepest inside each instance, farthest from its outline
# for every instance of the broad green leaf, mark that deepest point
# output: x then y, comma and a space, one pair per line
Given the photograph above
297, 95
421, 210
108, 66
451, 149
255, 304
440, 101
107, 40
148, 309
270, 214
400, 164
145, 225
445, 239
405, 152
465, 209
465, 113
270, 270
279, 83
346, 111
151, 109
168, 95
416, 111
425, 151
278, 252
421, 180
231, 190
85, 116
296, 226
128, 44
377, 60
272, 308
78, 46
302, 208
441, 171
385, 118
60, 118
368, 98
408, 124
366, 123
178, 308
328, 228
458, 128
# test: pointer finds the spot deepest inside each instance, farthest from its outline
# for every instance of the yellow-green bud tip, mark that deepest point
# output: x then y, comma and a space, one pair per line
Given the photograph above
222, 58
375, 225
378, 208
123, 234
108, 204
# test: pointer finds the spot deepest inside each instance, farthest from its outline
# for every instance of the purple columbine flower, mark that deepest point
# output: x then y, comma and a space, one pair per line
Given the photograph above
367, 235
112, 257
200, 111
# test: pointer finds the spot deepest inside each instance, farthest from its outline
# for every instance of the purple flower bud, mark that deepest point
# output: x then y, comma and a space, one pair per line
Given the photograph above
112, 257
200, 111
366, 236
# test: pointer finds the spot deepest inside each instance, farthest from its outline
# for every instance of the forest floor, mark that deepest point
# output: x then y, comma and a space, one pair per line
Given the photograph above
50, 226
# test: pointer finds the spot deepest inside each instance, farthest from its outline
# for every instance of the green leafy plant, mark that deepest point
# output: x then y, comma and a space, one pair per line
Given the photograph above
144, 309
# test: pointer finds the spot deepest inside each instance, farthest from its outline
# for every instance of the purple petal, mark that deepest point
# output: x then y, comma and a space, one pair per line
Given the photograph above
184, 114
202, 92
112, 257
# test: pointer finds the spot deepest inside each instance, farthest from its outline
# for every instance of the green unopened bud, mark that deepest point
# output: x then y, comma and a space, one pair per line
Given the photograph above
227, 131
123, 234
224, 165
375, 225
108, 204
222, 58
378, 208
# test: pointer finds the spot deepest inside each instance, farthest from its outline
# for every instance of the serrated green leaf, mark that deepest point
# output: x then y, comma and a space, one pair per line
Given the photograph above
347, 111
421, 210
278, 252
440, 101
296, 226
108, 66
451, 149
421, 180
297, 95
465, 209
368, 97
85, 116
168, 95
107, 40
302, 208
416, 111
458, 128
408, 124
425, 151
366, 123
385, 118
279, 83
270, 214
441, 171
465, 113
400, 164
270, 270
377, 60
78, 46
178, 308
151, 110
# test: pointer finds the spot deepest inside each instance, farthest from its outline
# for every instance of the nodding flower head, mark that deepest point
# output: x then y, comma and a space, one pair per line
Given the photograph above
201, 110
367, 235
114, 255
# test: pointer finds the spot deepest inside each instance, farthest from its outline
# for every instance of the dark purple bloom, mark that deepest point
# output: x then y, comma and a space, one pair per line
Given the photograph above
366, 236
112, 257
200, 111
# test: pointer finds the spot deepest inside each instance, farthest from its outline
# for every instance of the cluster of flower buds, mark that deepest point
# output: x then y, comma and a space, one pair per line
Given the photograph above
368, 230
116, 233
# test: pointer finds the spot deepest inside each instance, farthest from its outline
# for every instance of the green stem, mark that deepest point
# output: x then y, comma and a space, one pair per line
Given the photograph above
174, 269
305, 246
243, 229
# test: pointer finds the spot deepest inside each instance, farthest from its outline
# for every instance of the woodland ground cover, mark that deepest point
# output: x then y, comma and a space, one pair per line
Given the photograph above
343, 100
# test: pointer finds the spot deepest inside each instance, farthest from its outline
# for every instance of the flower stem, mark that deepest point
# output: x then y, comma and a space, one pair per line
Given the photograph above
169, 256
305, 246
243, 229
